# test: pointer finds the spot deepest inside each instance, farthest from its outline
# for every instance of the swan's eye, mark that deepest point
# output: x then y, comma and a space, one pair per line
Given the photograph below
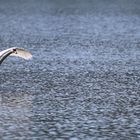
14, 50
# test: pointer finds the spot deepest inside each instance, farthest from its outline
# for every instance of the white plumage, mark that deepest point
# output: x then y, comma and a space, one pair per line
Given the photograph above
19, 52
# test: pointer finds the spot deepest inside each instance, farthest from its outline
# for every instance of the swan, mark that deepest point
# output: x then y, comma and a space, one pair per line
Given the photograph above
19, 52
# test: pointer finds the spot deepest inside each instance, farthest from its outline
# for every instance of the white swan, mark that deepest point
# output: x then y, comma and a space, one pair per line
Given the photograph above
20, 52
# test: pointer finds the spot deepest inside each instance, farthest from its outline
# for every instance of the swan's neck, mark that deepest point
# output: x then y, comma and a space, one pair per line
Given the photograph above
5, 55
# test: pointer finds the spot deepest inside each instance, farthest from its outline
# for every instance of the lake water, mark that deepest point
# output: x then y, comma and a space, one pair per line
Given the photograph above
83, 82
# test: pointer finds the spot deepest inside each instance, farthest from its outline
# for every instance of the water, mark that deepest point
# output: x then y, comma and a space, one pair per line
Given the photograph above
83, 81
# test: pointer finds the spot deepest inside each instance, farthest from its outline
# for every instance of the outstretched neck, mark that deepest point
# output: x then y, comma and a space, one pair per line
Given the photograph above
5, 55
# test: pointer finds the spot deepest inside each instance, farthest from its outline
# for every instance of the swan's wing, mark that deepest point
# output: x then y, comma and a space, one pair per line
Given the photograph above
20, 52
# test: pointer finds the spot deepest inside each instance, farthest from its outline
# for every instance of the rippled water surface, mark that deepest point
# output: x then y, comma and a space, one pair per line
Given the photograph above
83, 82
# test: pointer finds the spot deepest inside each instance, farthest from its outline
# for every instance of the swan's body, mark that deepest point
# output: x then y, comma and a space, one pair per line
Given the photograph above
14, 52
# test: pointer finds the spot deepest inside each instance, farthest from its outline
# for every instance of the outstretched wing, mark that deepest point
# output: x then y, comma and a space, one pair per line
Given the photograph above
20, 52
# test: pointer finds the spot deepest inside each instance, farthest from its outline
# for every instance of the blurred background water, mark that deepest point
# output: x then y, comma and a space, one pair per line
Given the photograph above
84, 79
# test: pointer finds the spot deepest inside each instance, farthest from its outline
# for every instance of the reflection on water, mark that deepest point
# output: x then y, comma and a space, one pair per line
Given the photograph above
65, 114
15, 113
83, 81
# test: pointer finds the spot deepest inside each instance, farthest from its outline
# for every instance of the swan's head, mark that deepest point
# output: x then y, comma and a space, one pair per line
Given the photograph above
14, 50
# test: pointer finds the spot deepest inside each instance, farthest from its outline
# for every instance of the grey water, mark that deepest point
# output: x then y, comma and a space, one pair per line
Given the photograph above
83, 82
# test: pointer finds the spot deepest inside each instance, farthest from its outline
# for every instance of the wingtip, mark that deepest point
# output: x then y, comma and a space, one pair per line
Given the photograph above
29, 57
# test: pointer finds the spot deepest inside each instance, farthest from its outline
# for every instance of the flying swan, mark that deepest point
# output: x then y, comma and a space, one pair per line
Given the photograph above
19, 52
